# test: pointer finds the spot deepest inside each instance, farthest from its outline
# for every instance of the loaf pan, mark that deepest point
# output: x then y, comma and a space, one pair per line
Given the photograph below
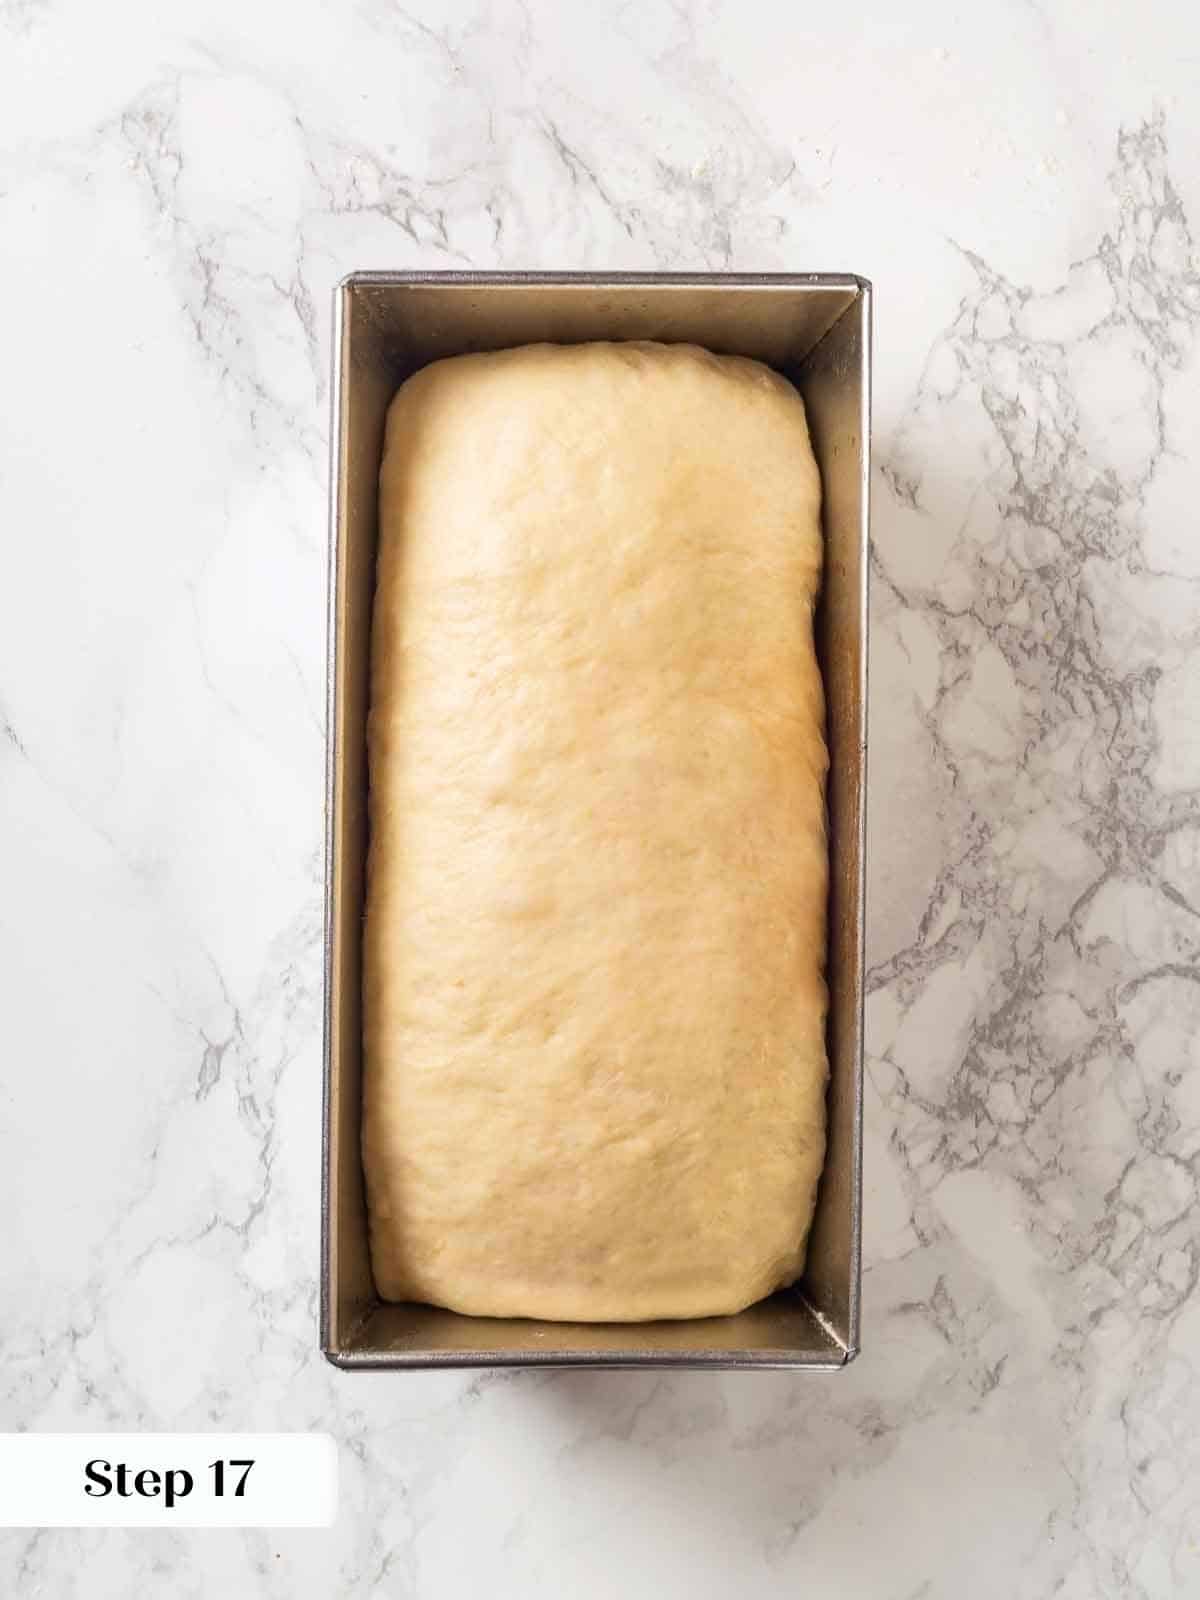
815, 328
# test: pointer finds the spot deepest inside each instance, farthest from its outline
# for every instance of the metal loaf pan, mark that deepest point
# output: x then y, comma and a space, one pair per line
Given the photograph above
815, 328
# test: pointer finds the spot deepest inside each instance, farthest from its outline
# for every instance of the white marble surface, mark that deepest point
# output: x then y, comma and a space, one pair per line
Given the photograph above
180, 187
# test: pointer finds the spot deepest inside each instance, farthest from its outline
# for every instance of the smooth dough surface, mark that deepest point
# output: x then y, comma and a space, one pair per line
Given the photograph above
594, 1000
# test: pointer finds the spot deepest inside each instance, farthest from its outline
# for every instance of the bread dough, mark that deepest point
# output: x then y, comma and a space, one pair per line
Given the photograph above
593, 969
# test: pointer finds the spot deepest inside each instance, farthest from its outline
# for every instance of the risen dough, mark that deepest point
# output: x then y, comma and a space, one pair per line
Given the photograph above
594, 1002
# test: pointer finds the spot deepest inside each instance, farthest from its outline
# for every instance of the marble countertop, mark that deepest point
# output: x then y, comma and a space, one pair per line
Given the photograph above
180, 188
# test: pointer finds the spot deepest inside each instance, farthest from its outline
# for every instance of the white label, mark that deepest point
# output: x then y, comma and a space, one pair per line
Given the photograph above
167, 1480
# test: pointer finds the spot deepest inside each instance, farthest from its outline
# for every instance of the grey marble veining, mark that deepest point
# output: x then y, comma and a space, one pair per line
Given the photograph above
180, 187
